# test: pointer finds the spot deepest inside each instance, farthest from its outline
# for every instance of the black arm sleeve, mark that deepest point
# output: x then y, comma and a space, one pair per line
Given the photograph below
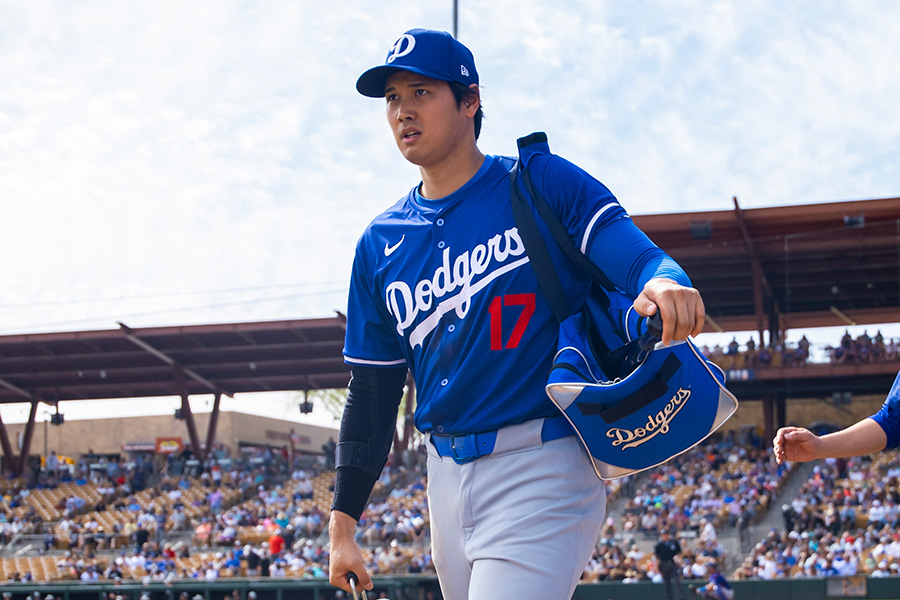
367, 431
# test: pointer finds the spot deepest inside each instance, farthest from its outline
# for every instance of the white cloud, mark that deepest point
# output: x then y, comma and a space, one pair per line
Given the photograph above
173, 163
157, 154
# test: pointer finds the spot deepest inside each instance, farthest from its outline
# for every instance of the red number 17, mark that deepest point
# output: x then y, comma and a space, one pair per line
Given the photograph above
526, 301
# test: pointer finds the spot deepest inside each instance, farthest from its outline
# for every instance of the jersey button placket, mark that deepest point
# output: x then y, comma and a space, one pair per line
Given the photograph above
439, 222
442, 365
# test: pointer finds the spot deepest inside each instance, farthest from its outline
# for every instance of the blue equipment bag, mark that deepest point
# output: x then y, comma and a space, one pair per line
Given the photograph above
673, 399
633, 402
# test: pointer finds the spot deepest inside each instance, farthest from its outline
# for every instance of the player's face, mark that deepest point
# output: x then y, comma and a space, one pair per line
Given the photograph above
427, 124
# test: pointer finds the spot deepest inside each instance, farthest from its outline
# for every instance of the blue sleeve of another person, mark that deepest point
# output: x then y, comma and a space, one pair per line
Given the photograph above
889, 415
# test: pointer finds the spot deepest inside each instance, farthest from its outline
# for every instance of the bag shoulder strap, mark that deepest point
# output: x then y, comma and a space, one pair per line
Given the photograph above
538, 255
625, 358
528, 147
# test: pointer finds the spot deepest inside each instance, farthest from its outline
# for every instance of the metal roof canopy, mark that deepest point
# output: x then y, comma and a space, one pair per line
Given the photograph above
168, 361
777, 268
135, 363
816, 265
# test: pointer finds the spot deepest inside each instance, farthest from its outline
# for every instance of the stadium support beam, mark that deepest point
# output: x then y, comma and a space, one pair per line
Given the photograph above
780, 412
7, 449
716, 327
842, 316
180, 373
760, 281
8, 455
408, 423
404, 443
137, 341
26, 438
187, 414
213, 422
768, 418
14, 388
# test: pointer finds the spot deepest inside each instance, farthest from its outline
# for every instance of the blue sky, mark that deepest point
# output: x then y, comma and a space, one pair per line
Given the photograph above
175, 163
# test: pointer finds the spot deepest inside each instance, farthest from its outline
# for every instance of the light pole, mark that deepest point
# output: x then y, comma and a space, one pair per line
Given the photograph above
456, 19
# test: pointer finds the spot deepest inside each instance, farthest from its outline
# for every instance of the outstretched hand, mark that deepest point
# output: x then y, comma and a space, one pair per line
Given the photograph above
796, 444
801, 445
680, 307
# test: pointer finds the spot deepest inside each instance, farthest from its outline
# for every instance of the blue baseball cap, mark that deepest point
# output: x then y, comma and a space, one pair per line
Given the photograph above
435, 54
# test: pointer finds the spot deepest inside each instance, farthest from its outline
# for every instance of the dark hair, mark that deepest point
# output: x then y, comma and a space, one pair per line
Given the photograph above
462, 93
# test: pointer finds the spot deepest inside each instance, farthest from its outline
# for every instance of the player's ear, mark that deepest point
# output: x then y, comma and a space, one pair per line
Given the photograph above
472, 101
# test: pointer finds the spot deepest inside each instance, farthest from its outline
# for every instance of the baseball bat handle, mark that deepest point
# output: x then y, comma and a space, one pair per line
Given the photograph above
353, 580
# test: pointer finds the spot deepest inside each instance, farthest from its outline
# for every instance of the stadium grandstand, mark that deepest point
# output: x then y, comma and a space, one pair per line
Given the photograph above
166, 511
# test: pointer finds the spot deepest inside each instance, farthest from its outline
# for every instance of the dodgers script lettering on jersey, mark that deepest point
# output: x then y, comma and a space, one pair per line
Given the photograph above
445, 287
406, 303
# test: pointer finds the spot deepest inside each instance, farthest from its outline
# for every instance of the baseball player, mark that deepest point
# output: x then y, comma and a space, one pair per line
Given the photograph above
441, 285
872, 434
718, 587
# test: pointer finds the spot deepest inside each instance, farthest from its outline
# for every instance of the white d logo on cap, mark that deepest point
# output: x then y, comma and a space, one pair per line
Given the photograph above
399, 49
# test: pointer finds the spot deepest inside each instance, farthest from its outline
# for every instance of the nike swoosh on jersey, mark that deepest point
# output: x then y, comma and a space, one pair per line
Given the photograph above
388, 249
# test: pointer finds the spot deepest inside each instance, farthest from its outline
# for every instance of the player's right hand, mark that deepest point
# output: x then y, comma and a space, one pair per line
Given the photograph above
346, 559
345, 556
795, 444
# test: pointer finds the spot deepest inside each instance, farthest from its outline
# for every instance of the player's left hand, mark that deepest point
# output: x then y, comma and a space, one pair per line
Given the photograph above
680, 307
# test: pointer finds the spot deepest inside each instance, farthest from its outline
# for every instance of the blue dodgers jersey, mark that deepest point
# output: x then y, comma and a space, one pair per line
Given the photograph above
889, 415
445, 287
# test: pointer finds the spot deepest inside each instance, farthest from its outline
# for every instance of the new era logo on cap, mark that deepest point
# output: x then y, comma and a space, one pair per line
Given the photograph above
435, 54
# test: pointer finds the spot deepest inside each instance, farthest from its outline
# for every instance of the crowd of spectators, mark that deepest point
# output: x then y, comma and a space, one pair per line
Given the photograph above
750, 355
620, 558
13, 524
719, 483
258, 518
821, 553
842, 522
218, 518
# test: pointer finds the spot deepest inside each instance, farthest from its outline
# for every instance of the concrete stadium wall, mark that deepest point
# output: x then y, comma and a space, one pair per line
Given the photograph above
418, 588
108, 436
804, 412
778, 589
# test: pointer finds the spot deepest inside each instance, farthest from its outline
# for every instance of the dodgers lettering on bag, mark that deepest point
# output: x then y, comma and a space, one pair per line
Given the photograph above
656, 424
405, 304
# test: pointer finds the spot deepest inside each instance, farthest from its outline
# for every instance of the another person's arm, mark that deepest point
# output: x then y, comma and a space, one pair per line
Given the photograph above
801, 445
873, 434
